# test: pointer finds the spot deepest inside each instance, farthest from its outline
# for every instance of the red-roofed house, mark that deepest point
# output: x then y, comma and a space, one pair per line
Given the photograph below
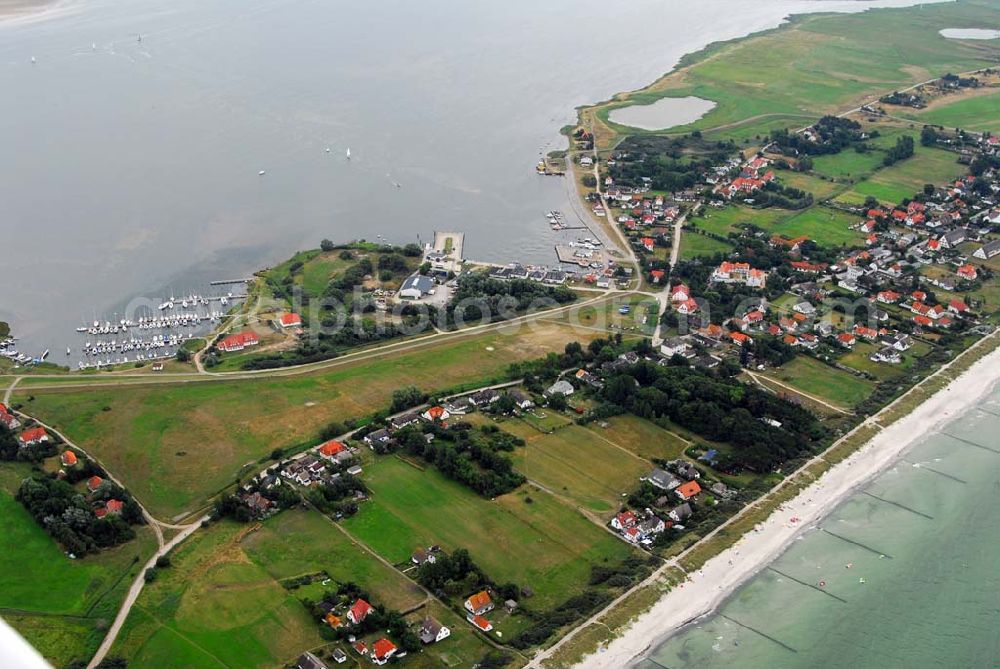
922, 321
740, 339
360, 648
868, 334
958, 307
382, 650
648, 243
680, 293
846, 339
35, 435
68, 459
889, 297
687, 307
290, 320
919, 295
115, 506
480, 622
657, 275
358, 611
436, 414
238, 342
624, 520
479, 603
8, 419
94, 482
739, 272
967, 272
688, 490
330, 449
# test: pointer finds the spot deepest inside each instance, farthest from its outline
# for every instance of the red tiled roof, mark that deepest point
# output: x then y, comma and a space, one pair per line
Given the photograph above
359, 610
34, 434
383, 648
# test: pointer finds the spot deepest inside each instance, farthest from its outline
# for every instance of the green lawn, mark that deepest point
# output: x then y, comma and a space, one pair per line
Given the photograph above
215, 607
59, 605
978, 113
820, 380
578, 464
694, 245
642, 437
732, 218
540, 543
178, 444
820, 188
848, 164
891, 185
825, 226
300, 542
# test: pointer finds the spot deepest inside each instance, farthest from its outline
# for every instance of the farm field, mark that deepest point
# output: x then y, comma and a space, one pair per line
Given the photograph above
59, 605
848, 164
891, 185
820, 380
178, 444
215, 607
526, 537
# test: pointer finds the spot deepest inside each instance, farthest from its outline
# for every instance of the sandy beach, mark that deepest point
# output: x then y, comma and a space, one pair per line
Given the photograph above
723, 574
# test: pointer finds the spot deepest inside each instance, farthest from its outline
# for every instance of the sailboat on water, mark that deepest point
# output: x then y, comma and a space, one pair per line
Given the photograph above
348, 153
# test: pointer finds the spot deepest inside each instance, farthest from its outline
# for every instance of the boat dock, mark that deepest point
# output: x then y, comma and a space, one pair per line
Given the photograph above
584, 256
229, 282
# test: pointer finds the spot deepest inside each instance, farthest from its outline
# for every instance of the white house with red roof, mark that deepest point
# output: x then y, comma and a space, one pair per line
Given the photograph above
739, 272
680, 293
32, 436
238, 342
290, 320
358, 611
382, 650
436, 414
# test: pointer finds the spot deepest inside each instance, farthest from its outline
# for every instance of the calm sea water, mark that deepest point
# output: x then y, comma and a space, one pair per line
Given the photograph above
131, 167
932, 601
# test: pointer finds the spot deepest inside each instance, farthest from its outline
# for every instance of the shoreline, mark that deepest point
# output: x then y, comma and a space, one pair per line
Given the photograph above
28, 11
705, 591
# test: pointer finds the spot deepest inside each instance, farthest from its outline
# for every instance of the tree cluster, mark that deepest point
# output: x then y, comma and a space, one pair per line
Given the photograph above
68, 516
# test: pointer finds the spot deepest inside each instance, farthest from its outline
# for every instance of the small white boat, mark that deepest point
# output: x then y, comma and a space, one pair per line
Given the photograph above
67, 350
261, 173
348, 153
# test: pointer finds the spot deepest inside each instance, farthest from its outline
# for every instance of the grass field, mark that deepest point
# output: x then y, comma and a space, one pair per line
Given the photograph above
541, 543
215, 607
732, 218
820, 380
977, 113
178, 444
299, 542
821, 189
643, 438
902, 180
694, 245
60, 605
848, 164
816, 65
825, 226
578, 464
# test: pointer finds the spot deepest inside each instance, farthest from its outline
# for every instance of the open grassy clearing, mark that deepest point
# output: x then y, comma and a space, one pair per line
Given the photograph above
646, 440
821, 189
178, 444
61, 606
837, 387
299, 542
694, 245
813, 66
978, 113
732, 218
578, 464
541, 543
825, 226
215, 607
891, 185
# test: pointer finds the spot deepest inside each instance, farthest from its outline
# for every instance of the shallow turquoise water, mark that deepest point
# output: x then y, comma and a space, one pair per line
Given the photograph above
931, 590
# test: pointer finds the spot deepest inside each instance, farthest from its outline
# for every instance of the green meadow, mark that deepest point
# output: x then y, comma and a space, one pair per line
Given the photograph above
61, 606
527, 537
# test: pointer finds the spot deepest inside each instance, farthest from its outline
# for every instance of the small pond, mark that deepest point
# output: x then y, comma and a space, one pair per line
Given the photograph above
662, 114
